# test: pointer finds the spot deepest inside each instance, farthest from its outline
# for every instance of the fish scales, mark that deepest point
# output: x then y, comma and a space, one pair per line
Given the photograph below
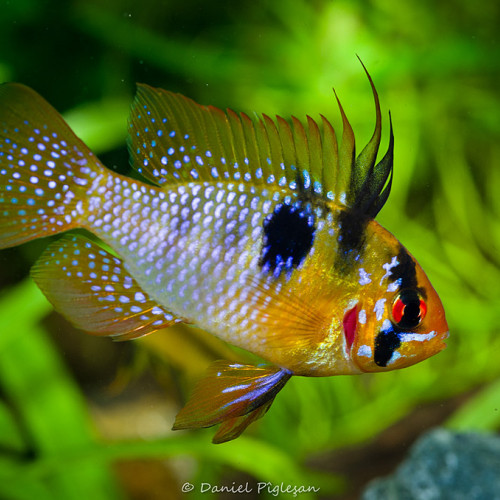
260, 231
195, 248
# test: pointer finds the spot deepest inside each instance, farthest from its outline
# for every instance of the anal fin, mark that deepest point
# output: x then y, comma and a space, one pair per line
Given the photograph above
233, 395
95, 292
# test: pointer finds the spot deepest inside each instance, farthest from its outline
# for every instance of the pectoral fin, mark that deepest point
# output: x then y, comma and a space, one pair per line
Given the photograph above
95, 292
232, 394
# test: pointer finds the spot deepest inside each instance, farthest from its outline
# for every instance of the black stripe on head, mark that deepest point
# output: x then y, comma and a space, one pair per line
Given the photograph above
386, 342
406, 272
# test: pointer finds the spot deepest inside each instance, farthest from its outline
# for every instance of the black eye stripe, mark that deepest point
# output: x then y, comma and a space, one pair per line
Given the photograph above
405, 270
406, 310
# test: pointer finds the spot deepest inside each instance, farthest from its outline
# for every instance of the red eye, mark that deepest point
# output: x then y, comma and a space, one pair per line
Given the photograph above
408, 309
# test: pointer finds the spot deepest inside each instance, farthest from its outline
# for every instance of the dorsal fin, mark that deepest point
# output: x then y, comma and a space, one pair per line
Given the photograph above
172, 139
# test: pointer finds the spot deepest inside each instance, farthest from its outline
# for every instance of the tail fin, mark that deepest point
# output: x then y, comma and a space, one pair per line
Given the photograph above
45, 170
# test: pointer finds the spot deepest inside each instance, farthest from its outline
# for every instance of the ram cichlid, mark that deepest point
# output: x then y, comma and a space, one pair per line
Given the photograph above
259, 231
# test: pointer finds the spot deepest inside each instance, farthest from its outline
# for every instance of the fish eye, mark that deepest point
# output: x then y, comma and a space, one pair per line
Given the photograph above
408, 309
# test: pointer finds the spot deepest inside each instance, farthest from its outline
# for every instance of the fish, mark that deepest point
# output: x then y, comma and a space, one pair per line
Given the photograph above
260, 231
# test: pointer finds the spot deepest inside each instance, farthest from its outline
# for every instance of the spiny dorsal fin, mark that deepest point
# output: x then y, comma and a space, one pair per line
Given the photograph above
93, 290
172, 139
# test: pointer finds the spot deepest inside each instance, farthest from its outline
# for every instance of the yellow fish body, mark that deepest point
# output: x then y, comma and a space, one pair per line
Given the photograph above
259, 231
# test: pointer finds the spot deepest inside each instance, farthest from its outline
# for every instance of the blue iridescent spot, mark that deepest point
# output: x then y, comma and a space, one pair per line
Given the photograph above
172, 134
164, 160
153, 143
307, 179
171, 151
177, 164
159, 133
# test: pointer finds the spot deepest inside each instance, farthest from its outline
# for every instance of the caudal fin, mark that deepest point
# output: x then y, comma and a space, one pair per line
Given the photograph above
45, 170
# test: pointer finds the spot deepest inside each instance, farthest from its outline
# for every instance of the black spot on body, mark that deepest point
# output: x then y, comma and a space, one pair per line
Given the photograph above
288, 238
386, 342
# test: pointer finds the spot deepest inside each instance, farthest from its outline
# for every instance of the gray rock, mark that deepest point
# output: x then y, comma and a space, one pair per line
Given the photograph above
444, 465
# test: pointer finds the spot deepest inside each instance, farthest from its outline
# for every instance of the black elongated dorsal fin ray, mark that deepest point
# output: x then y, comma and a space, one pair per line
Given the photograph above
366, 159
371, 183
376, 186
173, 140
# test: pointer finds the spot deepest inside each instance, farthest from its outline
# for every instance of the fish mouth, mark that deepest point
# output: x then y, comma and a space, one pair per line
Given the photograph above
444, 337
350, 325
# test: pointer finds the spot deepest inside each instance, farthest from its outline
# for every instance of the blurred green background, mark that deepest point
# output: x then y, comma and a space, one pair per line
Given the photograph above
82, 417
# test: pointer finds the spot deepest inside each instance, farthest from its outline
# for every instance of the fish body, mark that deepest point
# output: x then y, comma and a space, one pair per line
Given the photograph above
258, 231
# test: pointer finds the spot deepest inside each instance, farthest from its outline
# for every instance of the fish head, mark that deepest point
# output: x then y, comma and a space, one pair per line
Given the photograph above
398, 318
